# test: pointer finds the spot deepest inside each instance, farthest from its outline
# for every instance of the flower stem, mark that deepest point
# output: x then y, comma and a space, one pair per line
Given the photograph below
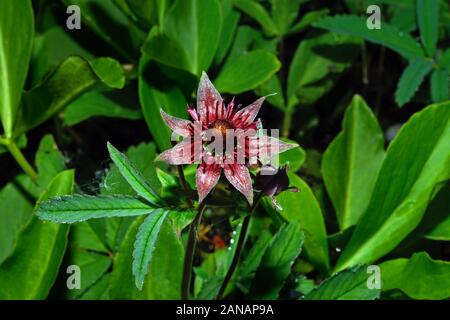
286, 122
190, 252
184, 184
21, 160
239, 247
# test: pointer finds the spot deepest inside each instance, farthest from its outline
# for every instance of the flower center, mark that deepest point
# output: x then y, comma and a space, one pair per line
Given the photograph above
222, 126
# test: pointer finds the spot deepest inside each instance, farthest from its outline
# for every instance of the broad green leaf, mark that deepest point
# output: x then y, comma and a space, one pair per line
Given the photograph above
229, 27
303, 207
407, 181
98, 291
277, 261
94, 104
49, 161
92, 266
350, 284
293, 158
70, 79
40, 244
181, 219
149, 12
109, 71
387, 36
77, 208
411, 79
110, 24
17, 199
16, 42
440, 85
170, 99
272, 89
253, 68
133, 176
189, 38
434, 218
441, 232
351, 163
84, 237
284, 12
308, 19
145, 244
257, 12
163, 280
428, 20
250, 262
318, 62
419, 277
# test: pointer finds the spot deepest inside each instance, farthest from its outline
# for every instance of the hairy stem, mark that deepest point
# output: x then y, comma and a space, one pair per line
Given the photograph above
190, 252
21, 160
239, 247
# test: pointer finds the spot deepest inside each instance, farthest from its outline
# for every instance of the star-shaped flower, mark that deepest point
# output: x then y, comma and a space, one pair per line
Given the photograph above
213, 123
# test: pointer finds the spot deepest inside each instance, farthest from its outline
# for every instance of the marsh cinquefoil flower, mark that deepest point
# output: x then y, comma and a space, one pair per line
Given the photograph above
203, 141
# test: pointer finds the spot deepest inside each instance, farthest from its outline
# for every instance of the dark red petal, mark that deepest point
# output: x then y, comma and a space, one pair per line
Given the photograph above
208, 101
239, 177
267, 147
184, 152
206, 179
247, 115
180, 126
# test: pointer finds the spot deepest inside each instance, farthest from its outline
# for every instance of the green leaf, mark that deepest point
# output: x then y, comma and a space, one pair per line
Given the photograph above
16, 42
94, 104
303, 207
293, 158
170, 99
284, 12
190, 35
257, 12
440, 85
72, 77
351, 163
17, 199
92, 266
112, 26
419, 277
99, 290
142, 156
230, 23
317, 64
277, 261
49, 161
441, 232
253, 68
145, 244
428, 20
133, 176
40, 244
387, 36
163, 280
408, 179
308, 19
109, 71
76, 208
411, 79
350, 284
